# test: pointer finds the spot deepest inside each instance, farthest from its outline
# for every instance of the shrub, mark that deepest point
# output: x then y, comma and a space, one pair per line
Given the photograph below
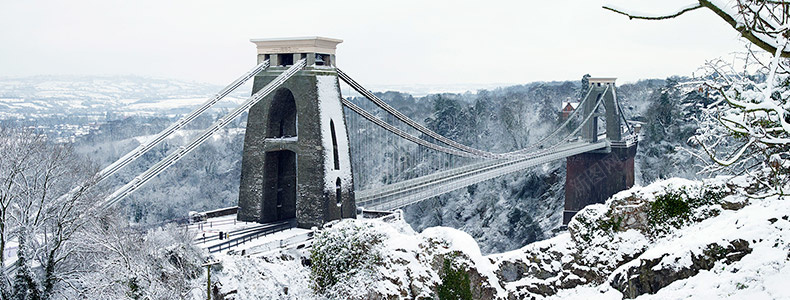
344, 256
677, 207
671, 208
610, 224
455, 282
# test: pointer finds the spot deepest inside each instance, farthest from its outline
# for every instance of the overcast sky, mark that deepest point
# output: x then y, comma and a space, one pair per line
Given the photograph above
385, 42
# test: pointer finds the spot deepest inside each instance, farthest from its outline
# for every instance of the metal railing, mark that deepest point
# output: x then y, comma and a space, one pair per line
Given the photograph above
392, 198
233, 233
269, 229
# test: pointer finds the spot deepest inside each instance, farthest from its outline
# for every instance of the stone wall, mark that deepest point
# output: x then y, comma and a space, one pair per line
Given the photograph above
593, 177
313, 204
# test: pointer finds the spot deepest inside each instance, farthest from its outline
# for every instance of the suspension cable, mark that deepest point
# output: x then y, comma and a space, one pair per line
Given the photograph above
480, 153
147, 146
380, 103
570, 118
517, 153
176, 155
144, 147
370, 117
622, 114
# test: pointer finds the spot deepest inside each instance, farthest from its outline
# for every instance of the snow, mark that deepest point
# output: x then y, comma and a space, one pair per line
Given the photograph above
11, 248
39, 96
228, 224
254, 278
280, 241
573, 105
405, 259
461, 241
588, 293
165, 104
332, 111
409, 257
28, 105
756, 276
759, 275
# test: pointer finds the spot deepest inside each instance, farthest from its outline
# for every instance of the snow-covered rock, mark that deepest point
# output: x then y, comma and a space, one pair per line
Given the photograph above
739, 253
372, 260
679, 242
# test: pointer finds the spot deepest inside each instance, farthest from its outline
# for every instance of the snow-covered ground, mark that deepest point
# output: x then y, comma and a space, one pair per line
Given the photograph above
760, 274
734, 247
206, 235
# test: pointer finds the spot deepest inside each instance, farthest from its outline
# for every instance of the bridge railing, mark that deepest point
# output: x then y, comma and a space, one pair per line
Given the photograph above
427, 189
277, 227
400, 186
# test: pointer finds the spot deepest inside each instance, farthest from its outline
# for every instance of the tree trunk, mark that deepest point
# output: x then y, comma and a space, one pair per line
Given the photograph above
24, 285
49, 276
5, 284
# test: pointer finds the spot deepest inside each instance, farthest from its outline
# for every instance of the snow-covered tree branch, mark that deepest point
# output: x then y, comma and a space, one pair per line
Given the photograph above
746, 130
35, 220
763, 23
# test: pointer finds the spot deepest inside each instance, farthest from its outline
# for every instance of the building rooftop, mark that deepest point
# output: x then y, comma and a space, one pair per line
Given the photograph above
602, 79
310, 44
573, 105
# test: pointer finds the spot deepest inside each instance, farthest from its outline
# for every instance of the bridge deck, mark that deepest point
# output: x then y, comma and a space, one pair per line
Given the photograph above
400, 194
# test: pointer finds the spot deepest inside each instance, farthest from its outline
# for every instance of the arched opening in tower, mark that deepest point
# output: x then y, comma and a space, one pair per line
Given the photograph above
282, 115
334, 145
280, 184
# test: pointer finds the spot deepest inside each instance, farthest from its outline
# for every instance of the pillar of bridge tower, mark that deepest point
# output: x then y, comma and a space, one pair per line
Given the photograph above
296, 161
593, 177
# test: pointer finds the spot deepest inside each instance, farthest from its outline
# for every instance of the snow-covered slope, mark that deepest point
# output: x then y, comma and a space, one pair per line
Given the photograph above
673, 239
734, 247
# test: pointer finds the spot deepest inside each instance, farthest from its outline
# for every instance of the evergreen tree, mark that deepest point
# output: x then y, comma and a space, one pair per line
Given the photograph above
24, 284
455, 283
585, 86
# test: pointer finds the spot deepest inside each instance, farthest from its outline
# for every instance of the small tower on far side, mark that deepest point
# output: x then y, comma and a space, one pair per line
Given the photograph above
593, 177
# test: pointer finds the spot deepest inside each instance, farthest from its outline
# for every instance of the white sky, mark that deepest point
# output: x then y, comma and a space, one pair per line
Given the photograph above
385, 42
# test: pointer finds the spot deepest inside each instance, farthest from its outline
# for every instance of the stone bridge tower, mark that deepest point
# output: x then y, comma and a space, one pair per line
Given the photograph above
296, 162
595, 176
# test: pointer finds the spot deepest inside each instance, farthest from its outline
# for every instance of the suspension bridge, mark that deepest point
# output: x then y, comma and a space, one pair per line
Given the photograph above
312, 156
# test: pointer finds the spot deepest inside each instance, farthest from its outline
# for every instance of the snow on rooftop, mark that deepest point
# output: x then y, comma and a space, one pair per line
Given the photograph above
573, 105
299, 38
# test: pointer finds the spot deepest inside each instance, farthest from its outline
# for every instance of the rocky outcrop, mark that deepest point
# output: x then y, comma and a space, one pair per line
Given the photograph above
607, 243
612, 248
544, 271
647, 276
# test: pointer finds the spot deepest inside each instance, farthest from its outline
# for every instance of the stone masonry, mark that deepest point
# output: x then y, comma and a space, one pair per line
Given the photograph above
284, 169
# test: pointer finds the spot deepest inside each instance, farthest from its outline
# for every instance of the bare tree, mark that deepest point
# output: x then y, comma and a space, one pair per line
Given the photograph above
40, 212
751, 100
126, 263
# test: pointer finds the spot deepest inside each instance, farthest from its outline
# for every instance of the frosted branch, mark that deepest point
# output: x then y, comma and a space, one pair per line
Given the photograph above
642, 16
760, 28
